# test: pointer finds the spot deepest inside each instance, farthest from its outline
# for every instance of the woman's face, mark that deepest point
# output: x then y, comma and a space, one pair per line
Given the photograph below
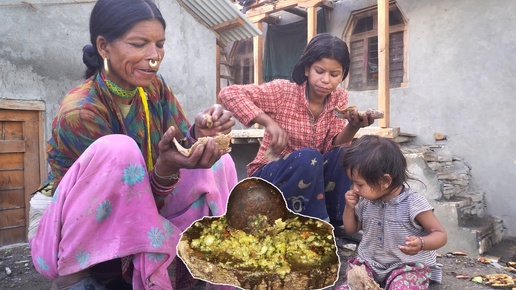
323, 77
129, 55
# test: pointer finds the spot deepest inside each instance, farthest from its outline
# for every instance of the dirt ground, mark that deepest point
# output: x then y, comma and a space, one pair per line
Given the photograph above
17, 271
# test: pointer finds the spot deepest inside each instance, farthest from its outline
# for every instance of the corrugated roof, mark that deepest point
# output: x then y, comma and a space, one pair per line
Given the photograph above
224, 18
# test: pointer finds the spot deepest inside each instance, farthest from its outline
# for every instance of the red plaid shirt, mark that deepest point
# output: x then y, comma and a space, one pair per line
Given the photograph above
285, 102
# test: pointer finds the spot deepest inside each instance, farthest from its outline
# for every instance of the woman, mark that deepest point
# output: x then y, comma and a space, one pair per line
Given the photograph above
300, 148
113, 164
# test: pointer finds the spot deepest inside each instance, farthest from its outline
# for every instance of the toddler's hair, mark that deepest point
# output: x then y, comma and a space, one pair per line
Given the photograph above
371, 156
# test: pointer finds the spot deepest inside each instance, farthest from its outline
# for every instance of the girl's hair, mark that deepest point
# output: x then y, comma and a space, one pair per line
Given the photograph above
112, 19
372, 156
323, 45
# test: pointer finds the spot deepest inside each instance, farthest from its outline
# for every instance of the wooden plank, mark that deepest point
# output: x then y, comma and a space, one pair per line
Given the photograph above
42, 153
311, 23
383, 62
247, 133
258, 55
217, 72
32, 158
11, 130
245, 136
12, 146
11, 179
12, 198
316, 3
269, 8
228, 25
11, 161
297, 11
13, 235
22, 105
379, 131
227, 78
12, 217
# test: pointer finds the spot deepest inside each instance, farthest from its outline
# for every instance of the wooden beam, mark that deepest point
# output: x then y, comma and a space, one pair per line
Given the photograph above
297, 11
258, 55
383, 62
217, 73
311, 28
272, 7
22, 105
228, 25
315, 3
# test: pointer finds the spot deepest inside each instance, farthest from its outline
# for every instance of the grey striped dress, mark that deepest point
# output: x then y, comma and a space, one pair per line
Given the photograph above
385, 226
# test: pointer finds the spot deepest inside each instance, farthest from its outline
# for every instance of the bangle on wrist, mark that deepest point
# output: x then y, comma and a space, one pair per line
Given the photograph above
422, 243
174, 176
190, 135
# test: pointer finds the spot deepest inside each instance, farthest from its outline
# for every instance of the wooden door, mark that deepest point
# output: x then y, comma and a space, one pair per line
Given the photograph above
20, 169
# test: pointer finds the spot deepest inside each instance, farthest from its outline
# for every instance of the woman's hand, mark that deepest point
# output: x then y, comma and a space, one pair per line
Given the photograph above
212, 121
170, 160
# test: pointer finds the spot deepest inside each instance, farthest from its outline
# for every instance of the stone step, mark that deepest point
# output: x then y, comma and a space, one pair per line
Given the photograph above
460, 210
469, 205
488, 230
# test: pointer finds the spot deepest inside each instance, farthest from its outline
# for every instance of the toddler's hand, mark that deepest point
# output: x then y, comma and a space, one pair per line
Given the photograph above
351, 198
412, 245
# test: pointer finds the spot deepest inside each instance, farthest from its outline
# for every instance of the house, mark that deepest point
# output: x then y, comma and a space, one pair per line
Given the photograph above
451, 90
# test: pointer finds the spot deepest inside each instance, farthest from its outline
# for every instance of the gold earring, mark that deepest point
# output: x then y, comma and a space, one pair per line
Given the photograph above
106, 66
153, 63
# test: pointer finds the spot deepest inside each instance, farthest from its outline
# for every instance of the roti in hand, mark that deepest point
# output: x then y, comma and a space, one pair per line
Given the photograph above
342, 113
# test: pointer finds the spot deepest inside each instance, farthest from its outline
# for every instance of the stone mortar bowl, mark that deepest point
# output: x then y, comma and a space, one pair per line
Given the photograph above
250, 201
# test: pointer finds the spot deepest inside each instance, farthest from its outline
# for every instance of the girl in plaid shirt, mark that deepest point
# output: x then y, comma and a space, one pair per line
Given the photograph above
301, 147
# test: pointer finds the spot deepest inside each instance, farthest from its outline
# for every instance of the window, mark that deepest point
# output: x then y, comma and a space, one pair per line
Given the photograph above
243, 62
362, 37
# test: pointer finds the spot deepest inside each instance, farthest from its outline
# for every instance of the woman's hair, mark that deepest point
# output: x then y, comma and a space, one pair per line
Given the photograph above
323, 45
372, 156
112, 19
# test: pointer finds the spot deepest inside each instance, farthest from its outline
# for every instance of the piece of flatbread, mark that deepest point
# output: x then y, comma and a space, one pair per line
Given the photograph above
342, 113
209, 120
222, 143
359, 280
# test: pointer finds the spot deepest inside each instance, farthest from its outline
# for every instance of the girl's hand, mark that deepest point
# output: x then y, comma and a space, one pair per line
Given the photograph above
279, 139
351, 198
412, 245
170, 160
212, 121
360, 120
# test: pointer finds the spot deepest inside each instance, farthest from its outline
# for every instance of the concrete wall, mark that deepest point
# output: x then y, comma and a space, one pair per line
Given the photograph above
462, 82
41, 53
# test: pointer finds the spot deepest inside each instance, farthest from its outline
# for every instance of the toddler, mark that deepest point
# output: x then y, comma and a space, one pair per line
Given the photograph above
400, 229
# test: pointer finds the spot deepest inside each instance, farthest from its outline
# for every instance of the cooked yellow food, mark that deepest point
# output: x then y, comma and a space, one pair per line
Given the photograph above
296, 243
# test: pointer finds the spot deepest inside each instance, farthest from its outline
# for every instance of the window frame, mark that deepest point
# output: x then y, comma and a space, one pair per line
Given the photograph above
350, 39
238, 60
